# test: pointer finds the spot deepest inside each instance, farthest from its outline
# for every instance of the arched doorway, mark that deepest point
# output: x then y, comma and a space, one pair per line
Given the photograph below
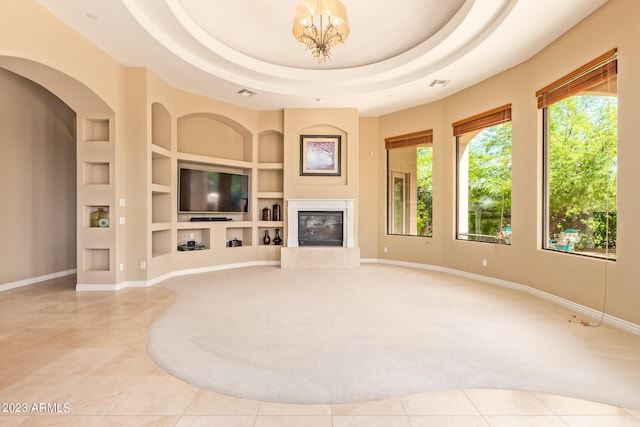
47, 114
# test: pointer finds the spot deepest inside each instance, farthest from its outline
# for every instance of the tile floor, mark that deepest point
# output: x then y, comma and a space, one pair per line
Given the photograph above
70, 359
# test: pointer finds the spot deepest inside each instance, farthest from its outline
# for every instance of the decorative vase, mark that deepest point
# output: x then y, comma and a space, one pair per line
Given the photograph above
266, 214
277, 240
93, 217
99, 218
103, 218
276, 212
266, 239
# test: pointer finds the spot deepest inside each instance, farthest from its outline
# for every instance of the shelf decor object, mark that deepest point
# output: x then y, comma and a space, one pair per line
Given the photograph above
99, 218
277, 240
277, 212
320, 155
266, 214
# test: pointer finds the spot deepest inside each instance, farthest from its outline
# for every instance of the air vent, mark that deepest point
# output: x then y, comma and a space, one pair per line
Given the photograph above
246, 92
439, 83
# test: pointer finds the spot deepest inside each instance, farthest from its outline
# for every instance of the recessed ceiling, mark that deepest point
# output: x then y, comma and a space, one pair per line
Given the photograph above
393, 54
406, 17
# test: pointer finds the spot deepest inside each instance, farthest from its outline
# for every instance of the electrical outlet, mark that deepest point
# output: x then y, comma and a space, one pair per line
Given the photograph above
485, 263
122, 266
385, 249
192, 236
143, 265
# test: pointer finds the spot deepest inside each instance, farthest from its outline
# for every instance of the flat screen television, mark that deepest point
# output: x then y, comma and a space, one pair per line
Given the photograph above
205, 191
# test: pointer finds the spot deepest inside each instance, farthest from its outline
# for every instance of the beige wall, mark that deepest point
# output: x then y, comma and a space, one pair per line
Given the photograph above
38, 176
369, 197
415, 249
343, 122
132, 244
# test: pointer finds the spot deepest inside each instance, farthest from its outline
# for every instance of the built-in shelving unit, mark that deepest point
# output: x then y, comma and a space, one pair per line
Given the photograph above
96, 241
162, 207
210, 141
160, 242
197, 233
96, 129
270, 170
96, 260
241, 231
161, 168
271, 229
96, 173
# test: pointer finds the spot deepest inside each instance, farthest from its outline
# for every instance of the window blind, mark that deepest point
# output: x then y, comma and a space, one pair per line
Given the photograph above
598, 71
409, 140
483, 120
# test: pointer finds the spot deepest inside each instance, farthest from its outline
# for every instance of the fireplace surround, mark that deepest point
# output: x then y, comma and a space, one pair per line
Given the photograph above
294, 206
343, 255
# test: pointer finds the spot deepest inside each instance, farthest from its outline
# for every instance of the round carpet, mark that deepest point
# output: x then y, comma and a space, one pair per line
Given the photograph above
339, 336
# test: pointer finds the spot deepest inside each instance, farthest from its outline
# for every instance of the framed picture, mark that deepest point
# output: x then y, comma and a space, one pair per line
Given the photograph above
320, 155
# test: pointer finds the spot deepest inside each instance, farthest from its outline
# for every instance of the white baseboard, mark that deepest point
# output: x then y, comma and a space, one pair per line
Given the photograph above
162, 278
33, 280
587, 311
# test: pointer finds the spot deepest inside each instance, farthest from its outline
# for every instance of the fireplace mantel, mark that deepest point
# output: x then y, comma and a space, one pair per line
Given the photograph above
346, 206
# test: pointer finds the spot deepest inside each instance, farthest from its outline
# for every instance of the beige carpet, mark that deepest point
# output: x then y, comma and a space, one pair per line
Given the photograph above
337, 336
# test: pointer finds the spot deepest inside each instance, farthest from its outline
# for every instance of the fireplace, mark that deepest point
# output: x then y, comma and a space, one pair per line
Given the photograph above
320, 228
320, 234
344, 208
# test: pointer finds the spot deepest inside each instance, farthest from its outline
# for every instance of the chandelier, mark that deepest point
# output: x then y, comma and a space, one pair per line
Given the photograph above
319, 25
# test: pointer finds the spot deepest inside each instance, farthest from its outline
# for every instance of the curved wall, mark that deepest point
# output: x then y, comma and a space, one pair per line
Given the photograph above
579, 279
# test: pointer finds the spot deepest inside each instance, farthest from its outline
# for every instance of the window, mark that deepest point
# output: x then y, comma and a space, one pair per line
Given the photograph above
483, 145
409, 184
580, 116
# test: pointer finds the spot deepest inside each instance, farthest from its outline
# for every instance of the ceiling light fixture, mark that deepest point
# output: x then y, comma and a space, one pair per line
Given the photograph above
319, 25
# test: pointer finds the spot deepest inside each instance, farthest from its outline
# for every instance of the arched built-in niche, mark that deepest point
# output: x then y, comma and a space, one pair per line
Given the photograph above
213, 135
162, 177
160, 126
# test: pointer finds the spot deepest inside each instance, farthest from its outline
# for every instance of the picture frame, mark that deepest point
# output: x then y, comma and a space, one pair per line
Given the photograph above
320, 155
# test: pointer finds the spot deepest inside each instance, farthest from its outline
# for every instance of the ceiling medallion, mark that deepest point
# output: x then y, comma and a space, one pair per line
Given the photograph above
319, 25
